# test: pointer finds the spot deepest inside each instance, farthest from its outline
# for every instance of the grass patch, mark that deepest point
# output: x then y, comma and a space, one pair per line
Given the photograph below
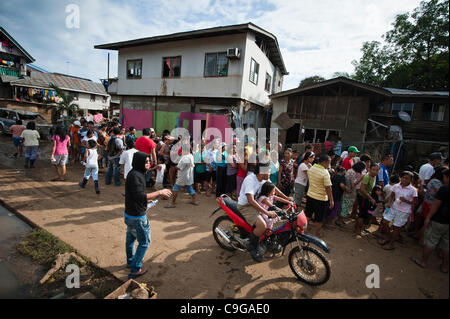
42, 246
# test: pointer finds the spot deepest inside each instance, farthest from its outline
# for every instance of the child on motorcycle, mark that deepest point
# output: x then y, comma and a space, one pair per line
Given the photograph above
265, 199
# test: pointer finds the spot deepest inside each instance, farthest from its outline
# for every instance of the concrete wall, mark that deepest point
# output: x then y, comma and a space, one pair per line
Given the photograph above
255, 92
192, 82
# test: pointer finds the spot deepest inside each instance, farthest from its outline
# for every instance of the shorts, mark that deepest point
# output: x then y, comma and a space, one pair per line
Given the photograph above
364, 204
159, 186
17, 141
436, 233
398, 218
60, 160
190, 189
332, 213
315, 207
249, 212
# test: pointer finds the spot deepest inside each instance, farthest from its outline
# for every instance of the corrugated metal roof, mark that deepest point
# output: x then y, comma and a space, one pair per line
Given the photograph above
68, 83
414, 92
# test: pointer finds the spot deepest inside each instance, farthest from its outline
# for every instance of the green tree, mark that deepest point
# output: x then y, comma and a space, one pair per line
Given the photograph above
342, 75
415, 52
311, 80
64, 106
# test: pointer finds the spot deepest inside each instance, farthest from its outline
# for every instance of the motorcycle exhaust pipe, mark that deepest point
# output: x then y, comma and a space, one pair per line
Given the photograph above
222, 234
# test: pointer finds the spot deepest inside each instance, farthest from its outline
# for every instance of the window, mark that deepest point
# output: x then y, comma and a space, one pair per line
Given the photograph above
216, 64
268, 83
171, 67
75, 96
318, 135
92, 97
405, 107
433, 112
105, 99
134, 69
254, 71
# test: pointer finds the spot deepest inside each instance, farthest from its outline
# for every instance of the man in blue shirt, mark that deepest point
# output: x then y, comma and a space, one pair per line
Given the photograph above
383, 176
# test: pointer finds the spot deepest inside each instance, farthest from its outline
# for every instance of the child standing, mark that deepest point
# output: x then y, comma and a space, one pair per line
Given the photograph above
91, 163
401, 204
376, 209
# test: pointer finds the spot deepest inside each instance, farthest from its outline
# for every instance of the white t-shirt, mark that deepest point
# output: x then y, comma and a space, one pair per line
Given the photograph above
92, 159
302, 177
425, 172
31, 137
186, 171
160, 174
250, 185
126, 158
387, 192
344, 154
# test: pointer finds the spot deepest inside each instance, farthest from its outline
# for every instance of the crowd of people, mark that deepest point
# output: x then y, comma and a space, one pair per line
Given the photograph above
333, 186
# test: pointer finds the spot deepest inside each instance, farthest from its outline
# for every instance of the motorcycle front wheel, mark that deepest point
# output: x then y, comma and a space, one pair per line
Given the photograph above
312, 268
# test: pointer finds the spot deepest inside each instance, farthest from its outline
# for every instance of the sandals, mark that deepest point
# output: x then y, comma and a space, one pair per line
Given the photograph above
414, 260
141, 272
55, 179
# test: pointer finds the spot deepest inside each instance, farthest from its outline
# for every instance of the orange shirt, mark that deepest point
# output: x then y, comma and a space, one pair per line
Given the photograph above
76, 139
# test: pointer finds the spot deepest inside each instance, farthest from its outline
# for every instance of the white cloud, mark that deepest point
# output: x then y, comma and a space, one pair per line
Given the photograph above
316, 37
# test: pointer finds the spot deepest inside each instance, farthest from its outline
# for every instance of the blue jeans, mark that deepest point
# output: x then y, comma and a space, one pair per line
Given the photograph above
91, 171
31, 152
189, 188
113, 169
137, 229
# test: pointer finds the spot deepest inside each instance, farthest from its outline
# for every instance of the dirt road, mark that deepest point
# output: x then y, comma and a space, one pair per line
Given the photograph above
184, 261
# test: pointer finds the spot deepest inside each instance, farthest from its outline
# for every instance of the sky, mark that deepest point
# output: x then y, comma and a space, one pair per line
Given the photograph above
316, 37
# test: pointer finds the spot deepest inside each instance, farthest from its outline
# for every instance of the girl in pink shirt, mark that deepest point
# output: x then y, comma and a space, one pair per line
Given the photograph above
16, 131
265, 199
60, 153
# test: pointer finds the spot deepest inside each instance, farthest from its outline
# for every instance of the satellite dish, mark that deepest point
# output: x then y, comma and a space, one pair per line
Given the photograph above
404, 116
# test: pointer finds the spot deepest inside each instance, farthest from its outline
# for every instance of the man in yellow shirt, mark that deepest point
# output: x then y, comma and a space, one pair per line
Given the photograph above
319, 197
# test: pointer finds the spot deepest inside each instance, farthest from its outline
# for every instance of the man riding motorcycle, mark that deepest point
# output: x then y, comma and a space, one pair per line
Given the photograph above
250, 209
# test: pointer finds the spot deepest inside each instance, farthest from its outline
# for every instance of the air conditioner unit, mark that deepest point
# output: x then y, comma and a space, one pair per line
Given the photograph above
233, 53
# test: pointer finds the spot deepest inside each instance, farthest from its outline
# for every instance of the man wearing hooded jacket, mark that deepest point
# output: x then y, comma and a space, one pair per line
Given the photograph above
136, 200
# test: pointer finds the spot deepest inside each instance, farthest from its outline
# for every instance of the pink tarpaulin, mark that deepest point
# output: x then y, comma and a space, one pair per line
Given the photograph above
218, 121
138, 118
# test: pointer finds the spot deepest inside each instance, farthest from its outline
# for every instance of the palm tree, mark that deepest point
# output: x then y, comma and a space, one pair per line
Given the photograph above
64, 105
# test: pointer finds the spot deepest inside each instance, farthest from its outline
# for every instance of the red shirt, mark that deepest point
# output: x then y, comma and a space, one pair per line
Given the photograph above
347, 163
328, 146
145, 144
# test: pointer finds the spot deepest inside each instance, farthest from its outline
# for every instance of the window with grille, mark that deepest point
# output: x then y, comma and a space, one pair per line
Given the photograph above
254, 71
134, 69
216, 64
171, 67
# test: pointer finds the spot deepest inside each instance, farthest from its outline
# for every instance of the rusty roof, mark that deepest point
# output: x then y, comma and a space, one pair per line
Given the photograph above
65, 82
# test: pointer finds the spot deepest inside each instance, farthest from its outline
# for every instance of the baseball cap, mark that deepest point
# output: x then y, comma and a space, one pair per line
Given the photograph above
436, 155
353, 149
77, 123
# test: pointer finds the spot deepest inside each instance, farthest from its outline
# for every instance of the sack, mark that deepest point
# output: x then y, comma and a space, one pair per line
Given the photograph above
112, 148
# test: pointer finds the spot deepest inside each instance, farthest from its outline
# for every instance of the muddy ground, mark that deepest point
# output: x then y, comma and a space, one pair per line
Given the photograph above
184, 261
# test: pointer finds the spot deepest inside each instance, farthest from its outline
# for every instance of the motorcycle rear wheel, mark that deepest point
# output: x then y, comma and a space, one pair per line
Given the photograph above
305, 270
225, 224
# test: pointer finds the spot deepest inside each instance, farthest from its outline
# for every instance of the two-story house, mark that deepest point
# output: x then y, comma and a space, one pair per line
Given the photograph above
13, 62
222, 76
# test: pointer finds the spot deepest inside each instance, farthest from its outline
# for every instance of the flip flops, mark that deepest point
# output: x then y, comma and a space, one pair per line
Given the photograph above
414, 260
141, 272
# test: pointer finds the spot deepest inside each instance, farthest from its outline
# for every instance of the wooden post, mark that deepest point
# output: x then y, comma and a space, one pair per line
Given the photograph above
348, 111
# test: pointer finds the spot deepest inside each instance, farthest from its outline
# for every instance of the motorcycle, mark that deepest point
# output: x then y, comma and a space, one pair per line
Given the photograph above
309, 265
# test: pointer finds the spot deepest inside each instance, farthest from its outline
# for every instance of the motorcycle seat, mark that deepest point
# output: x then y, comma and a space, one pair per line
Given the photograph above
233, 206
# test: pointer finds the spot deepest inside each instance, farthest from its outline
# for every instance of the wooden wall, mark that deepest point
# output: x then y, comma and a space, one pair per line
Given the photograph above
347, 114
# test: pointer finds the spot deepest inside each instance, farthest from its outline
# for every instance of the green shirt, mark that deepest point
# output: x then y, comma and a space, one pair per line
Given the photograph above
369, 181
200, 157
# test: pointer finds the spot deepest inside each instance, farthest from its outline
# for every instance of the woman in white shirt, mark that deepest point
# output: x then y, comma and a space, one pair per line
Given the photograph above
302, 178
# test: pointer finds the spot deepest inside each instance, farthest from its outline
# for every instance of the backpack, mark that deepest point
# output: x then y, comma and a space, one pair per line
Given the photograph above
112, 148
